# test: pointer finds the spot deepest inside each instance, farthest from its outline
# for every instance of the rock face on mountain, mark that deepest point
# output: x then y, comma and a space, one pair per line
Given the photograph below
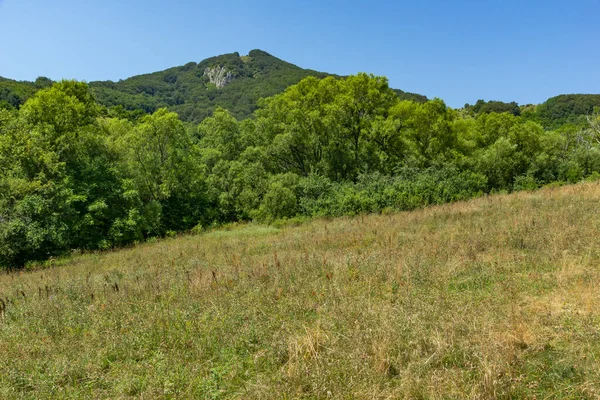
219, 76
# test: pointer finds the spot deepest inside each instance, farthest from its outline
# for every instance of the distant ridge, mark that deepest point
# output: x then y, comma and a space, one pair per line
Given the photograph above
193, 90
236, 83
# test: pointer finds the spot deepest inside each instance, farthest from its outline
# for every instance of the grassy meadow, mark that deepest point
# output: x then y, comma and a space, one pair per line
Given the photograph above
497, 297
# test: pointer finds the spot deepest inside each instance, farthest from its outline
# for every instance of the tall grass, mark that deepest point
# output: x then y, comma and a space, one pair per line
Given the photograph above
492, 298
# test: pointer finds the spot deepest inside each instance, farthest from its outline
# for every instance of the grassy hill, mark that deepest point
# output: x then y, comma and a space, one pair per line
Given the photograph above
188, 89
492, 298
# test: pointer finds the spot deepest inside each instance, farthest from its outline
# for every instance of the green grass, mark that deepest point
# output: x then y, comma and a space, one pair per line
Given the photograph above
492, 298
242, 230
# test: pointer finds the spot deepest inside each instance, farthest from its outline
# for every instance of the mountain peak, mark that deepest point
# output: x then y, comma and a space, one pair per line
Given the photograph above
231, 81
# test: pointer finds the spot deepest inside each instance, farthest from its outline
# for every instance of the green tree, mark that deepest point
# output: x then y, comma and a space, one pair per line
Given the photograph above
221, 132
428, 130
328, 126
60, 187
160, 158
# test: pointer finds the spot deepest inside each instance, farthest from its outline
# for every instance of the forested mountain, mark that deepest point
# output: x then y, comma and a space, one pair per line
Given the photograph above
14, 93
236, 83
566, 108
553, 113
193, 90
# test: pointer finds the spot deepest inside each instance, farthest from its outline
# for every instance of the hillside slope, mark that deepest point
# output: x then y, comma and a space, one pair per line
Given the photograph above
194, 90
491, 298
14, 93
567, 108
189, 90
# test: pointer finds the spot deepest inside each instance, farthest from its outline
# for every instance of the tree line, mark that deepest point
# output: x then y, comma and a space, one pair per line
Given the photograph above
76, 175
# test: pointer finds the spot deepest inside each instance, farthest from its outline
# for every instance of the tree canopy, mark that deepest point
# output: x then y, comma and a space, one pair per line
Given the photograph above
74, 175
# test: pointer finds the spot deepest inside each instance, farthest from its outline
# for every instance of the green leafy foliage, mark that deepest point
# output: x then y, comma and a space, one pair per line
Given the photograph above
13, 94
74, 175
483, 107
565, 109
552, 114
187, 90
59, 189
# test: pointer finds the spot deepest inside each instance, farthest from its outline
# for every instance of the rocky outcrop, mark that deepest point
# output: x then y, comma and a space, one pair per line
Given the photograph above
219, 76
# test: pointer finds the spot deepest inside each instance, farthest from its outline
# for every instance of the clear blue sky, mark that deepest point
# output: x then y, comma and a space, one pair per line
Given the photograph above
459, 50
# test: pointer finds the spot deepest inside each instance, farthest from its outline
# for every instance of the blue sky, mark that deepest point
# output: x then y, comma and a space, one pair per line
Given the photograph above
460, 50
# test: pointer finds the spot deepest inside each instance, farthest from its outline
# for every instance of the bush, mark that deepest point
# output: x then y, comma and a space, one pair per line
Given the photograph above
525, 182
373, 193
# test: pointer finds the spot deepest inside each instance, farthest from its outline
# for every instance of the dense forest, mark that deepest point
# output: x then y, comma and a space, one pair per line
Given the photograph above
78, 175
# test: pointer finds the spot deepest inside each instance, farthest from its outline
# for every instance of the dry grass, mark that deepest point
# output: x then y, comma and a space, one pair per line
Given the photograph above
492, 298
